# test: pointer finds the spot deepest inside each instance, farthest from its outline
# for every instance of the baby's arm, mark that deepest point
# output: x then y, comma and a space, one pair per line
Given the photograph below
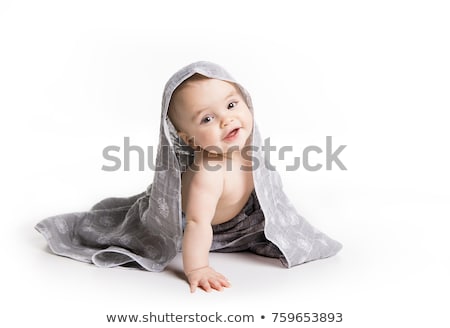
204, 191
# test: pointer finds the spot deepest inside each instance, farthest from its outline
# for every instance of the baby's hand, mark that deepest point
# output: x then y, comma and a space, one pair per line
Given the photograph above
207, 279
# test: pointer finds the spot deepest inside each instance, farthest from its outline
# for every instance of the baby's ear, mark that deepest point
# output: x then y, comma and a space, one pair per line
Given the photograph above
186, 139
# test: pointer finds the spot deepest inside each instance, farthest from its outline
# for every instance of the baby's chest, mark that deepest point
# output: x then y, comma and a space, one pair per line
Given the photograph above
238, 184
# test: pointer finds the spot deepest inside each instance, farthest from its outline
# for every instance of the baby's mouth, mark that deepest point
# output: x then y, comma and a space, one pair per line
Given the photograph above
233, 133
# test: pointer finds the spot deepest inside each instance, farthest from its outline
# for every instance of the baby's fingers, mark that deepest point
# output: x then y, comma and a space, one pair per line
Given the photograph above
219, 284
225, 282
193, 286
216, 284
205, 285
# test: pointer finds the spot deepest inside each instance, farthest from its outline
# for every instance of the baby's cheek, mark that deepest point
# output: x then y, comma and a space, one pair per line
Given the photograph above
206, 137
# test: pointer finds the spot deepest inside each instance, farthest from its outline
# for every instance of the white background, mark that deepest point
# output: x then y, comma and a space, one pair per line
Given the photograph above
77, 76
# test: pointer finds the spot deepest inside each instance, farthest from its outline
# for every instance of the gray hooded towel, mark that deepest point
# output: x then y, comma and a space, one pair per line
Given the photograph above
146, 229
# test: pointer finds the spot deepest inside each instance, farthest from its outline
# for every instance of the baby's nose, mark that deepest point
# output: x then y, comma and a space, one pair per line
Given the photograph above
226, 121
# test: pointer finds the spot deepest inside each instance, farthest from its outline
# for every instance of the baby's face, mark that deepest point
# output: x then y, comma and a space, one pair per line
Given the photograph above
213, 115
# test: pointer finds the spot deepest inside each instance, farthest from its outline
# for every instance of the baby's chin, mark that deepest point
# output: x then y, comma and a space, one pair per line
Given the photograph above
228, 151
228, 148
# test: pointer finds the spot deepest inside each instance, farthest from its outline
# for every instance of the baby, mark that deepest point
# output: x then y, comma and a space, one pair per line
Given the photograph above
213, 118
218, 198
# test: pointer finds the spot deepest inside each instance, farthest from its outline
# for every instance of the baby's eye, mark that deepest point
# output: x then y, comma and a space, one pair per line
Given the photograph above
207, 119
232, 105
